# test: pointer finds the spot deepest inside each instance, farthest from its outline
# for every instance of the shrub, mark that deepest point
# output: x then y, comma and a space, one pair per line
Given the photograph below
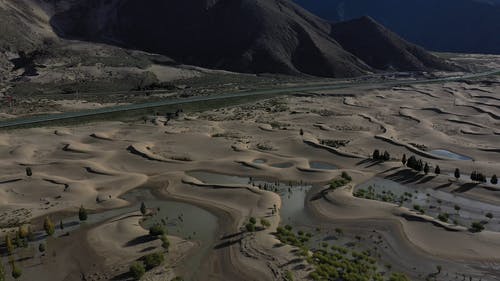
153, 260
265, 223
41, 247
346, 176
137, 271
157, 230
253, 220
48, 226
82, 214
398, 277
443, 217
250, 227
165, 243
476, 227
143, 208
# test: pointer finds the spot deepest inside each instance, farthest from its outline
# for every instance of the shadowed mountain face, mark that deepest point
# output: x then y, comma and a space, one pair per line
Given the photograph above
468, 26
254, 36
239, 35
383, 49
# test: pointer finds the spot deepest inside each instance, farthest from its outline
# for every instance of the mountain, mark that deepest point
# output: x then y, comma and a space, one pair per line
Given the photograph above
467, 26
240, 35
253, 36
383, 49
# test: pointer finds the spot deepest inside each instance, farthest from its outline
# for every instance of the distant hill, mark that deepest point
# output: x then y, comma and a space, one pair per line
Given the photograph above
468, 26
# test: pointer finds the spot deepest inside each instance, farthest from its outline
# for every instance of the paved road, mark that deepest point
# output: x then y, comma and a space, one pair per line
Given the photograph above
277, 91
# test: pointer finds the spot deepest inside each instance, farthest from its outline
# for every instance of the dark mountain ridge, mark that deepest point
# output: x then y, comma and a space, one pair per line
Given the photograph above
383, 49
467, 26
253, 36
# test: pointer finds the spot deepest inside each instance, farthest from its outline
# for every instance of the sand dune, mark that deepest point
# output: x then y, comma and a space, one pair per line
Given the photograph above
103, 161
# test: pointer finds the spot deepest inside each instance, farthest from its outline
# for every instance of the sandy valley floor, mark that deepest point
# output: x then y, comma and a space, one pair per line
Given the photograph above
97, 165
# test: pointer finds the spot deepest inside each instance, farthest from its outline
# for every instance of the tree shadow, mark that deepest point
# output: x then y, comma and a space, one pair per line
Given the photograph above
444, 185
426, 179
364, 161
391, 169
122, 277
405, 176
466, 187
140, 240
293, 261
227, 243
228, 236
148, 249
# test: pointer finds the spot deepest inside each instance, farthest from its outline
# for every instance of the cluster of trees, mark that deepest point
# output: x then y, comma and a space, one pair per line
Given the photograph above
478, 177
381, 156
419, 165
23, 235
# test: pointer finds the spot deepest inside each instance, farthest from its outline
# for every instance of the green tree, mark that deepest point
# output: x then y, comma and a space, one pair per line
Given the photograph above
250, 227
2, 272
439, 268
165, 243
265, 223
137, 271
437, 171
494, 179
41, 247
457, 173
16, 271
404, 160
376, 154
386, 156
8, 244
252, 220
29, 172
82, 214
426, 168
476, 227
143, 209
61, 225
48, 226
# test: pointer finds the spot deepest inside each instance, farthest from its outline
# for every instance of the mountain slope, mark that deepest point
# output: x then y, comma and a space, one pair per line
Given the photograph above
254, 36
467, 26
240, 35
382, 49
